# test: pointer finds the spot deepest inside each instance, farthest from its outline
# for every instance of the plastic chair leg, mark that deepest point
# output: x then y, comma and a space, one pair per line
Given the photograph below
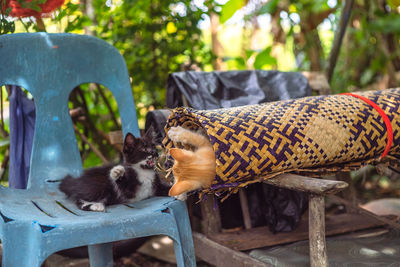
184, 249
101, 255
18, 251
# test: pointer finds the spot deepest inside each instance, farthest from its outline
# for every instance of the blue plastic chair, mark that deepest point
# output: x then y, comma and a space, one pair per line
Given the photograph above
39, 221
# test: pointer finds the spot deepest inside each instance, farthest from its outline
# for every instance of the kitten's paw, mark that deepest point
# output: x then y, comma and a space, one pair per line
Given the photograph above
181, 197
174, 133
91, 206
117, 172
97, 207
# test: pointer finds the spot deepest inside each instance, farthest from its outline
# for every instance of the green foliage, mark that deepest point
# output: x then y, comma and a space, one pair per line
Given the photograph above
6, 26
386, 23
159, 37
264, 59
363, 62
270, 7
155, 38
4, 142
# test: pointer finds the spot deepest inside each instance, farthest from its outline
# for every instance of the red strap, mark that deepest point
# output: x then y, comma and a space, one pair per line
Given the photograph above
385, 119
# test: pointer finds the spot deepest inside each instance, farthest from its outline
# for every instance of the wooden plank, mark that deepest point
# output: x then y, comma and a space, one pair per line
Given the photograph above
365, 212
116, 137
316, 231
220, 256
262, 237
306, 184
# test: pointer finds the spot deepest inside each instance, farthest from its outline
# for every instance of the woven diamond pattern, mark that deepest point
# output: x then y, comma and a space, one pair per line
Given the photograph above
307, 135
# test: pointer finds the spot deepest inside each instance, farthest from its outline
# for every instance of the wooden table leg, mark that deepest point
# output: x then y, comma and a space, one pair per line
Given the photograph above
318, 255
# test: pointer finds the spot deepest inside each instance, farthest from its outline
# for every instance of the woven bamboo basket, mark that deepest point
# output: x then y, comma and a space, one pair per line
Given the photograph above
311, 135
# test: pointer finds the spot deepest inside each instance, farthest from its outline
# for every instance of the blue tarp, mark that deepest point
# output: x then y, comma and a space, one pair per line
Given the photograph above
22, 126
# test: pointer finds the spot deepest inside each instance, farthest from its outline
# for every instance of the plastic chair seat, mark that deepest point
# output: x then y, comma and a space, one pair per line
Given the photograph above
54, 223
52, 209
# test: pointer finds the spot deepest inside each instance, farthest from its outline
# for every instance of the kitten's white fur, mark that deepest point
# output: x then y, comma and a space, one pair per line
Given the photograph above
115, 173
94, 206
146, 178
181, 197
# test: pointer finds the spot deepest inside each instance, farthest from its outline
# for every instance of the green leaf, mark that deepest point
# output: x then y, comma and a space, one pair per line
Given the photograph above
230, 8
264, 58
5, 142
249, 53
40, 2
8, 11
171, 28
269, 7
367, 76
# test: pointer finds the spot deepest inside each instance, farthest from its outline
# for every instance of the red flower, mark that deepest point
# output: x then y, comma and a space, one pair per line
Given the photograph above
35, 8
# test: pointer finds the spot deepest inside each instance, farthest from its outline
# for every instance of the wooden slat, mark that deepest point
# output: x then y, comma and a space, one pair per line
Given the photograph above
116, 137
306, 184
365, 212
262, 237
221, 256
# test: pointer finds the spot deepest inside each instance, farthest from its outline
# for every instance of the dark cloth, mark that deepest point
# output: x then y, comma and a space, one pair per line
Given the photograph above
211, 90
22, 126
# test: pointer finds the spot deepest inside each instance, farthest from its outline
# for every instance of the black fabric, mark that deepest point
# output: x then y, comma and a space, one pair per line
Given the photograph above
156, 120
280, 209
211, 90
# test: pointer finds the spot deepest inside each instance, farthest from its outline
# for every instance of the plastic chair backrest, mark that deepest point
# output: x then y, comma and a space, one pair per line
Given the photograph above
50, 66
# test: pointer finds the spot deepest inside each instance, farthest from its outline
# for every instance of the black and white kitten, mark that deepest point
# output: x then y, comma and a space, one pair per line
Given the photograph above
133, 180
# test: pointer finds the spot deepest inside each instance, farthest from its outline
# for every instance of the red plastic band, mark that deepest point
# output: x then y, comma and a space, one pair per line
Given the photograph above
385, 119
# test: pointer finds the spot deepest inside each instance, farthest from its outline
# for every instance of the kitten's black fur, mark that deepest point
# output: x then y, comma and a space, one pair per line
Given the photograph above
133, 180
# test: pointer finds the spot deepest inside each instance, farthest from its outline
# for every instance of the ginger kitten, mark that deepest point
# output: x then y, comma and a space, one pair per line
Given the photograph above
192, 170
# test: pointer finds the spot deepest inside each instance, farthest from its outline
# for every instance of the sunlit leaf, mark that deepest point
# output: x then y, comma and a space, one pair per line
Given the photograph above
5, 142
230, 8
394, 3
249, 53
171, 28
264, 58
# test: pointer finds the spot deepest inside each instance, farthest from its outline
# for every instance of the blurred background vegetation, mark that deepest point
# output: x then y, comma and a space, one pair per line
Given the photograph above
158, 37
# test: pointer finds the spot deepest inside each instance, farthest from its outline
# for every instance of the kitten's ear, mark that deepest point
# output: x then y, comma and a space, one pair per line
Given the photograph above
130, 140
182, 187
180, 154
